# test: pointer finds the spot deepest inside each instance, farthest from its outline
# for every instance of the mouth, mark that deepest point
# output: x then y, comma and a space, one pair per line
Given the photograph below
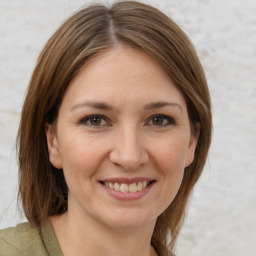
127, 187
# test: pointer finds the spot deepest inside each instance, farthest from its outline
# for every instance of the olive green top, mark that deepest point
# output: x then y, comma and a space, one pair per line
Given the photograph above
25, 239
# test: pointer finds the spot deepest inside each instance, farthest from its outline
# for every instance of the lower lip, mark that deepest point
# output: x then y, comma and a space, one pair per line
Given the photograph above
128, 196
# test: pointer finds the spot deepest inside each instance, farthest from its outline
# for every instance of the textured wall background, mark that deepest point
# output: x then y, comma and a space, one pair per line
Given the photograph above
222, 214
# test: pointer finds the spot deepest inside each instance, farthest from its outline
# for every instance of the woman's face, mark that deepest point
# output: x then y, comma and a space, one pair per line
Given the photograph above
123, 139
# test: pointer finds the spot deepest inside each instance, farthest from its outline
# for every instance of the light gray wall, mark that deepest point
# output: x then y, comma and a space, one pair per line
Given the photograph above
222, 214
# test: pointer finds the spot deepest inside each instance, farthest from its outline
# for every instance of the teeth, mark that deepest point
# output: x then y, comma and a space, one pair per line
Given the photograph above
133, 188
140, 186
116, 187
122, 187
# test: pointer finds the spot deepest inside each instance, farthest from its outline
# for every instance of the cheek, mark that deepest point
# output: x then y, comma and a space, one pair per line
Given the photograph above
80, 161
171, 156
80, 156
170, 159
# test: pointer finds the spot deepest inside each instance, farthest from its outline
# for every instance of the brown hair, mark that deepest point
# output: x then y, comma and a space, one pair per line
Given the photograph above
89, 32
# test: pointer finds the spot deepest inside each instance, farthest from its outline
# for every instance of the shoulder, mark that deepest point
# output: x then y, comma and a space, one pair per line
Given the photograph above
24, 239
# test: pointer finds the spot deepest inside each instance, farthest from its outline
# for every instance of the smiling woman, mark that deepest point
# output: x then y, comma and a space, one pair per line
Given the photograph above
114, 134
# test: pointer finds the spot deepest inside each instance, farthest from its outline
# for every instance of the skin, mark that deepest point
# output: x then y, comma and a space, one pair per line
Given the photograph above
129, 141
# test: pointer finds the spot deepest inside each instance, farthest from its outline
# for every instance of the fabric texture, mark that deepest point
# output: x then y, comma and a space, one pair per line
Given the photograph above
25, 239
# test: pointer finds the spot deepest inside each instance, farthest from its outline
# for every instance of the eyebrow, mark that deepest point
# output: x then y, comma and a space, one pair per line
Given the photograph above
161, 104
105, 106
97, 105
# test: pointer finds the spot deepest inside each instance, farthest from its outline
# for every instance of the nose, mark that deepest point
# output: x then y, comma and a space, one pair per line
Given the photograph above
128, 150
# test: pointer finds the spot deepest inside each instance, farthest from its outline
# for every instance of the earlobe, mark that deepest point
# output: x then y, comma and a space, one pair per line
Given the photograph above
192, 145
53, 147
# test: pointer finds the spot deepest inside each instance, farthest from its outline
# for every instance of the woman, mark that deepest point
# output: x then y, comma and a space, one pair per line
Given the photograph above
114, 134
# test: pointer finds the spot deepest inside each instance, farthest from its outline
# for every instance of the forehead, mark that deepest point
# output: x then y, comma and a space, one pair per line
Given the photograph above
123, 74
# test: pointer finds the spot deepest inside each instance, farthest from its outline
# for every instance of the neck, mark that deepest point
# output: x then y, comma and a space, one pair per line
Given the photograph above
85, 236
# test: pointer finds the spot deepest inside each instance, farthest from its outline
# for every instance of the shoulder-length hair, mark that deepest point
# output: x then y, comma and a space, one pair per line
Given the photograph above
87, 33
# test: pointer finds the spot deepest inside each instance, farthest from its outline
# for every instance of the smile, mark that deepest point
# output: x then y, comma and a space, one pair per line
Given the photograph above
125, 188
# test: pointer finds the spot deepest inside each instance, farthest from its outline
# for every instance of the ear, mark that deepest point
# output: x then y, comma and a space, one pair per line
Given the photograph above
53, 147
192, 145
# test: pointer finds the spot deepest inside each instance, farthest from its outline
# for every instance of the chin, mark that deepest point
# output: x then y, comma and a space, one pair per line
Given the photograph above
127, 221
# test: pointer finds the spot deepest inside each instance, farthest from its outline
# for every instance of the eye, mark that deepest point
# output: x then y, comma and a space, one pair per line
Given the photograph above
94, 120
161, 120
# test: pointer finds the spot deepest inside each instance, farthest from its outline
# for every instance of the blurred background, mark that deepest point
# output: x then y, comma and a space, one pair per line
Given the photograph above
221, 219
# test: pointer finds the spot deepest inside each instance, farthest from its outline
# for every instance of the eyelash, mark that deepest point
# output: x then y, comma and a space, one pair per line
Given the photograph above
169, 120
90, 118
166, 119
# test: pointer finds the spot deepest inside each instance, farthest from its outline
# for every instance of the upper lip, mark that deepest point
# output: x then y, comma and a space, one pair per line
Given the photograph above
127, 180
